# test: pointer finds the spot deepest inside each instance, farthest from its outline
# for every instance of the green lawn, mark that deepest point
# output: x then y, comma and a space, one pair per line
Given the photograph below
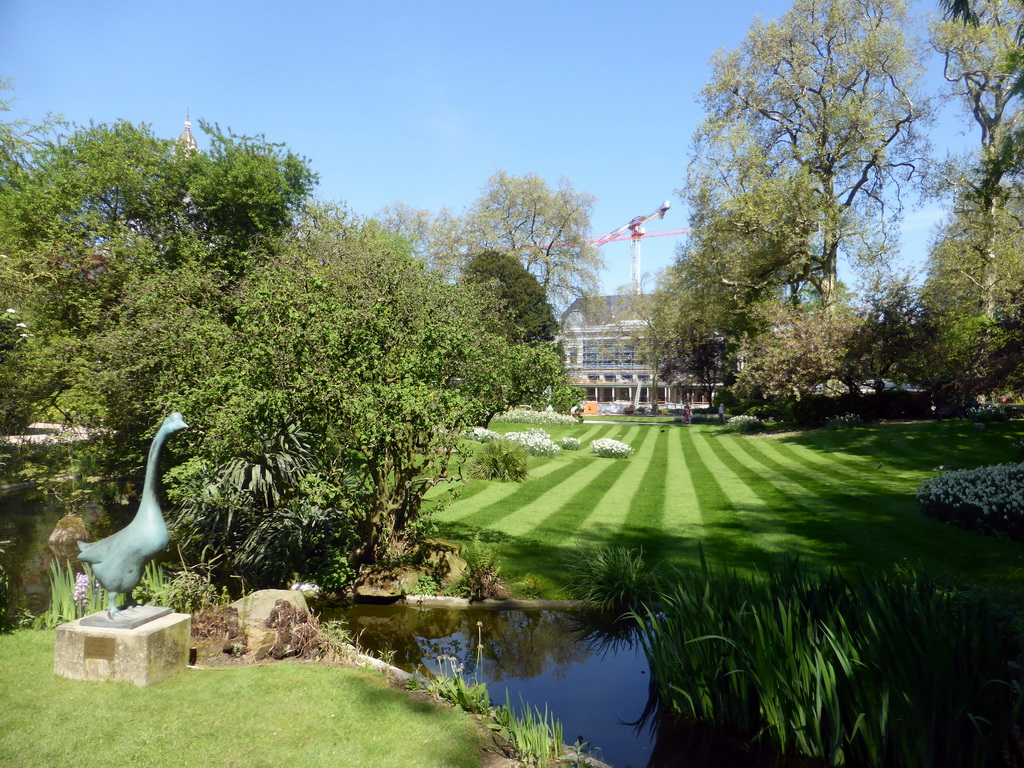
286, 714
843, 498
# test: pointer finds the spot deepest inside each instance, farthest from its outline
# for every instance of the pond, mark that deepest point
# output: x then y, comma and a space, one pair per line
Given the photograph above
592, 678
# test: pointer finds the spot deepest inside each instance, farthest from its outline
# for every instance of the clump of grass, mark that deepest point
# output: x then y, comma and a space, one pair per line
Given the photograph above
501, 460
72, 596
882, 671
611, 579
536, 738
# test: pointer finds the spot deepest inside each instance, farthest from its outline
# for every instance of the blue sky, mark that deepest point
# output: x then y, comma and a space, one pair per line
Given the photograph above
408, 101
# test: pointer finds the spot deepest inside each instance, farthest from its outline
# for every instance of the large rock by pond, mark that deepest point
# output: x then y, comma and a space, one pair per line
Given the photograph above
437, 559
445, 558
378, 583
258, 605
64, 539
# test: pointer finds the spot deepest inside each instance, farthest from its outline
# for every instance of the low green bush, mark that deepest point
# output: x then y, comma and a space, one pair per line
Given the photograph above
482, 578
501, 460
989, 500
878, 671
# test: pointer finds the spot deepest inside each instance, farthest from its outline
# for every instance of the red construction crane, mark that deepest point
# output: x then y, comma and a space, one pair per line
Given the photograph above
634, 231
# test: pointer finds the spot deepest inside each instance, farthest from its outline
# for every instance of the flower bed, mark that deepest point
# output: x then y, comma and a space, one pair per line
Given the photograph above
483, 435
537, 442
745, 424
989, 500
539, 418
610, 449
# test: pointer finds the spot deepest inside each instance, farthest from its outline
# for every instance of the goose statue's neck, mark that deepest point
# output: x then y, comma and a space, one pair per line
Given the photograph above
152, 463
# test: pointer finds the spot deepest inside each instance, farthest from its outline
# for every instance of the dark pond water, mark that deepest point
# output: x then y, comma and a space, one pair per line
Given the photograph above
26, 520
593, 682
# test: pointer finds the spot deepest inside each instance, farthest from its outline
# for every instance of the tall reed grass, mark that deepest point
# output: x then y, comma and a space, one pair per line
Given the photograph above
74, 594
889, 671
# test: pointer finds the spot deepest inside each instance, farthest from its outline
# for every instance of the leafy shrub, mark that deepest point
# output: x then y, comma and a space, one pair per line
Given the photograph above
607, 448
265, 516
536, 442
878, 672
502, 460
537, 418
569, 443
745, 424
611, 579
989, 500
481, 579
190, 591
704, 418
847, 421
6, 596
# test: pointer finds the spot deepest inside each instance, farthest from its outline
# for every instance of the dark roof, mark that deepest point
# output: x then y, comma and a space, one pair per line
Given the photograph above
602, 310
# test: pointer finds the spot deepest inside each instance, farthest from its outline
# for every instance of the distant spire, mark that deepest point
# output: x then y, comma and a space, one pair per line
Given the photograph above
187, 140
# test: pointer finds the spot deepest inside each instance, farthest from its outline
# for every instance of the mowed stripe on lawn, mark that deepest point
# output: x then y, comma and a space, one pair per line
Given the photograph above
745, 499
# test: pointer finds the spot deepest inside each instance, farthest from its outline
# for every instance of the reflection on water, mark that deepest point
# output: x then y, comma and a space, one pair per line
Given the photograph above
593, 685
26, 520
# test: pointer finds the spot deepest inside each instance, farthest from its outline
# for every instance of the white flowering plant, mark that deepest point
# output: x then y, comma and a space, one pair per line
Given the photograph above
989, 500
984, 413
569, 443
537, 442
745, 424
610, 449
483, 435
848, 421
536, 418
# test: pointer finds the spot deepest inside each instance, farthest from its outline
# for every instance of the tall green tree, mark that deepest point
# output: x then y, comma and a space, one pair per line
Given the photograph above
106, 204
978, 254
547, 229
522, 309
811, 128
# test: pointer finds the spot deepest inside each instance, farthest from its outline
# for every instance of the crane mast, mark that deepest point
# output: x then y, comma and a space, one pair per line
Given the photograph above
636, 230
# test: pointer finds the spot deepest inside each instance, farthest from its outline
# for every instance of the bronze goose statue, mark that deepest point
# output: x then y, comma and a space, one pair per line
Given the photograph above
118, 560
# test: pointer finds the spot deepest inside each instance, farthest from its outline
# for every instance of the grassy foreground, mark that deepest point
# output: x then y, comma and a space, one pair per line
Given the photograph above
833, 498
277, 715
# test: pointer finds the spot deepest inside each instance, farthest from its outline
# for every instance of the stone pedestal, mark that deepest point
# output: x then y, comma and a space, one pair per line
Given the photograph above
144, 655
